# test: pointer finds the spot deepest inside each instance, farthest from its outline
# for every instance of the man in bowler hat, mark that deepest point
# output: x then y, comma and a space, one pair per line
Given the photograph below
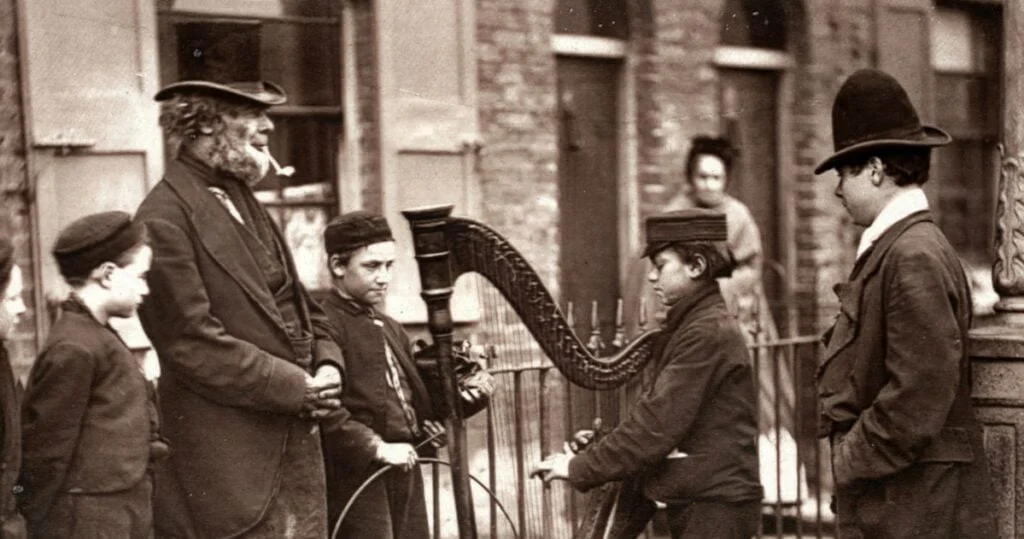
690, 439
248, 364
894, 384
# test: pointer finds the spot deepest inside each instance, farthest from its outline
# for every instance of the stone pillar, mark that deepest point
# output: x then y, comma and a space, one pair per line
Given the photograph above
997, 347
1008, 270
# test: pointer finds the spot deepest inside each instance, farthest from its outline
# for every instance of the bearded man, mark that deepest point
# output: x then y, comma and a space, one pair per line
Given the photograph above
248, 364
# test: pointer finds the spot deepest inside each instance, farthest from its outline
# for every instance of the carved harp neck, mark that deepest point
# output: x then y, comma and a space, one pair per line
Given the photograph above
447, 247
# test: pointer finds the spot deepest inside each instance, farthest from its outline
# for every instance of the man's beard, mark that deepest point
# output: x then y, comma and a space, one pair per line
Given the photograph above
231, 157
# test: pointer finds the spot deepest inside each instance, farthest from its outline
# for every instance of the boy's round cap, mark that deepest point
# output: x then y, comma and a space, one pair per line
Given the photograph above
354, 230
6, 260
261, 93
872, 111
693, 224
94, 239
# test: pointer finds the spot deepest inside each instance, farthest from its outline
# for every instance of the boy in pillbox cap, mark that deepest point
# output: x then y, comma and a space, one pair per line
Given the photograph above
391, 417
690, 440
91, 424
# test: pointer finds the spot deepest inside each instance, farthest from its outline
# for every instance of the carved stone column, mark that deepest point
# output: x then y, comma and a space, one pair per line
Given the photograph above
1008, 270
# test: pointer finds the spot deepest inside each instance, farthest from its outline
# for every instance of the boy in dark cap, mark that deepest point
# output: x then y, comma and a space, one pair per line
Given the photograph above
244, 352
12, 306
907, 453
387, 413
90, 420
689, 440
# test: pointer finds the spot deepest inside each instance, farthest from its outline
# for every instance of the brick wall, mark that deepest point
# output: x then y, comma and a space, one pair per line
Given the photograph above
671, 47
517, 162
14, 209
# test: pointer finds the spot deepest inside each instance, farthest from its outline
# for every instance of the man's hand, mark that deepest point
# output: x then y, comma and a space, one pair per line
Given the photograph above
555, 466
401, 455
329, 374
323, 392
435, 433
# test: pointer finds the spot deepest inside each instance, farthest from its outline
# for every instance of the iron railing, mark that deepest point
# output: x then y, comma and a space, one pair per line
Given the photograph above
532, 415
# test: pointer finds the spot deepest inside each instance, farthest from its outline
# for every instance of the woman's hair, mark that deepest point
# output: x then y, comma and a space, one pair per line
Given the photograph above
185, 117
716, 254
705, 145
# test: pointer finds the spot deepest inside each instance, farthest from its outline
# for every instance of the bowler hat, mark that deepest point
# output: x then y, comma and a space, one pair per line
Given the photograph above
871, 111
692, 224
260, 92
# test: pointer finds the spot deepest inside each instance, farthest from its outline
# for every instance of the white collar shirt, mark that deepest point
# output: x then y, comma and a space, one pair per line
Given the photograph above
906, 203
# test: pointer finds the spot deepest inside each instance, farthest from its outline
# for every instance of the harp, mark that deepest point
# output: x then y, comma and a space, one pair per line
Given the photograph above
446, 247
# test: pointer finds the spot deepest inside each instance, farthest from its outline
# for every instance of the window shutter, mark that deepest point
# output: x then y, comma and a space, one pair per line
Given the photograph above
90, 72
428, 119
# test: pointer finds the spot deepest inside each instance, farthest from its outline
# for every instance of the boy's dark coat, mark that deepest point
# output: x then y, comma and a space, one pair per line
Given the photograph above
86, 417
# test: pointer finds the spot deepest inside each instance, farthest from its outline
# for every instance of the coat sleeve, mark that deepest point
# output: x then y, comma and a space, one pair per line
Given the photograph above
326, 350
660, 419
194, 344
53, 413
923, 361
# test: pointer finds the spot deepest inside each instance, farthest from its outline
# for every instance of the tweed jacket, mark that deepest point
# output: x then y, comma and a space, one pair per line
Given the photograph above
701, 403
12, 525
231, 384
894, 384
86, 416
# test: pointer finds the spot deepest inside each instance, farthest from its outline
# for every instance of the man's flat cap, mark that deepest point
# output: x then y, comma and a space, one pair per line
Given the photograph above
88, 242
354, 230
260, 93
694, 224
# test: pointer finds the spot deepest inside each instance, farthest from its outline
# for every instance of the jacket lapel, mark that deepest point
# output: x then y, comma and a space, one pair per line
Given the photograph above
218, 233
845, 329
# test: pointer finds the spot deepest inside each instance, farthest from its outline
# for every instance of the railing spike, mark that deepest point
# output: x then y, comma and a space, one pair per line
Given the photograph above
619, 339
595, 344
642, 320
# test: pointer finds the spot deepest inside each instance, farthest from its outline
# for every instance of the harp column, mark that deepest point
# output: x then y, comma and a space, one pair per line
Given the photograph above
434, 259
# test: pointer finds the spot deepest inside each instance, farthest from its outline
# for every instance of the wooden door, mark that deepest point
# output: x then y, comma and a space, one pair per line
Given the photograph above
748, 101
588, 171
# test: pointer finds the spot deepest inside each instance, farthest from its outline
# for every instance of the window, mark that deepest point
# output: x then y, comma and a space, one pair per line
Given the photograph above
294, 43
966, 58
754, 23
601, 18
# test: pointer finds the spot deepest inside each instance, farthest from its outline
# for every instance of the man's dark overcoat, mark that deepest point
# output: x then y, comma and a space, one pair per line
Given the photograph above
895, 389
232, 383
88, 420
702, 402
350, 437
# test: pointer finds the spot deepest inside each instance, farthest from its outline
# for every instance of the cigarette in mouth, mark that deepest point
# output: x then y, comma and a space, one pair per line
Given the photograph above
286, 171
